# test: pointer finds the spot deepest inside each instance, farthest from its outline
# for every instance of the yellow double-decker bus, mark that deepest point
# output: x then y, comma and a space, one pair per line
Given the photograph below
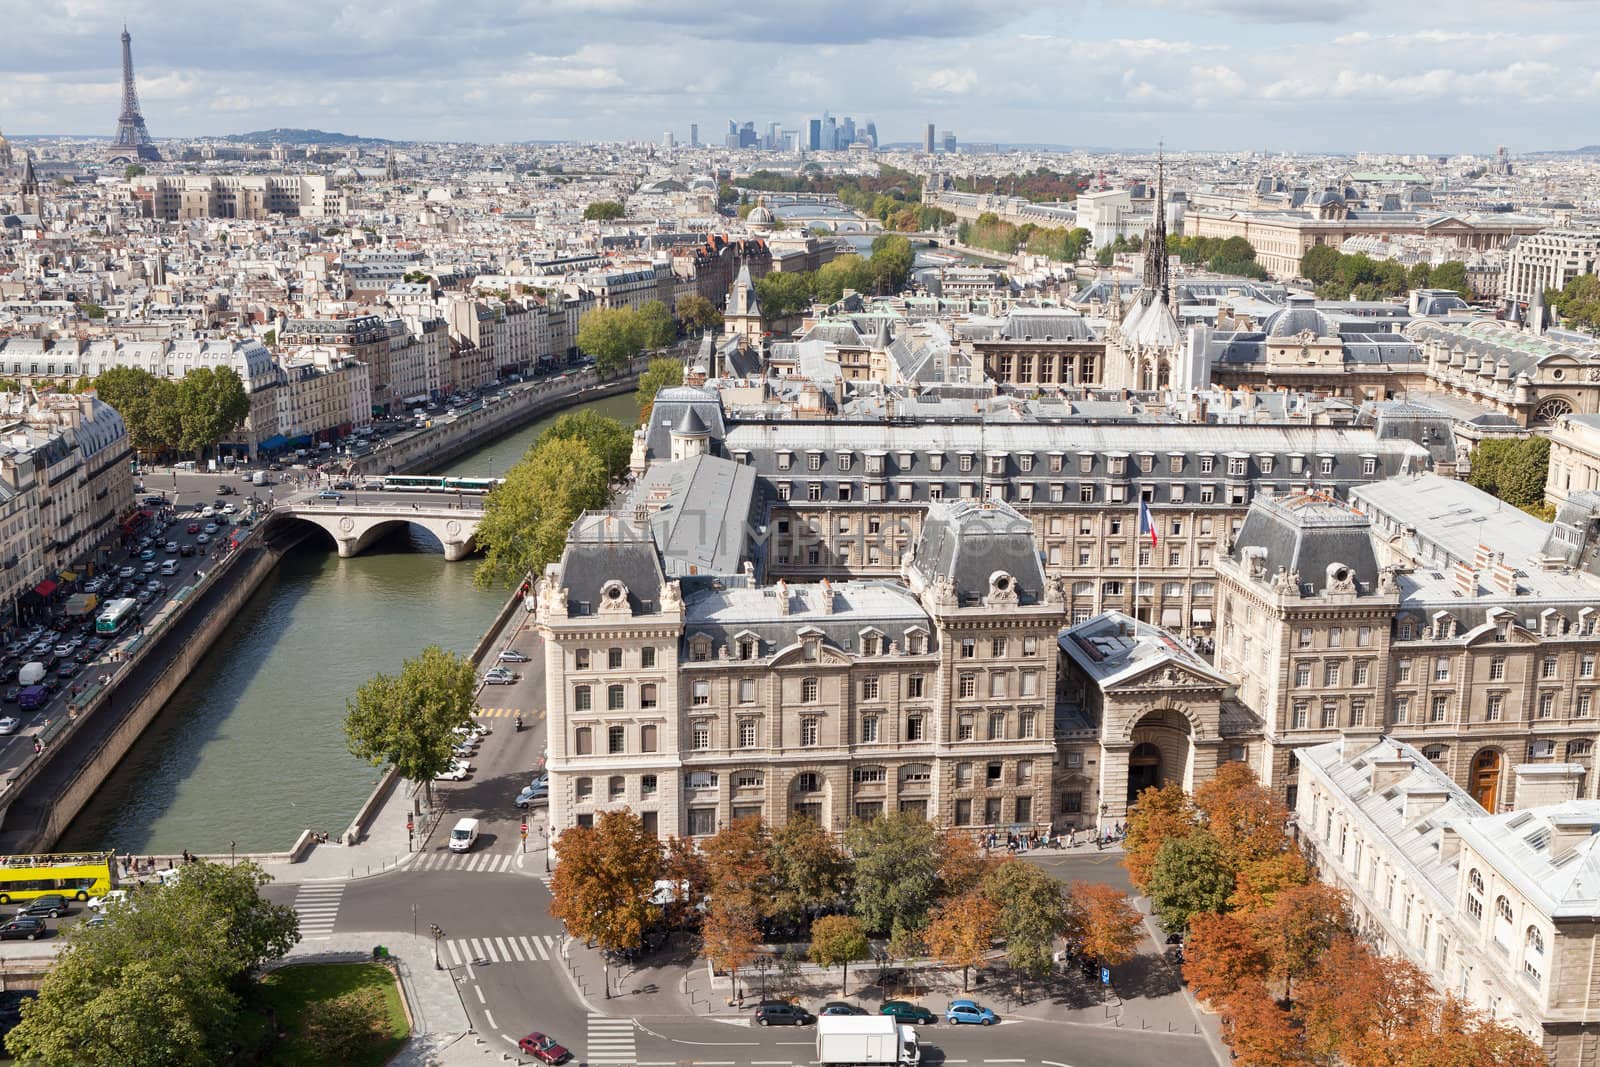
77, 876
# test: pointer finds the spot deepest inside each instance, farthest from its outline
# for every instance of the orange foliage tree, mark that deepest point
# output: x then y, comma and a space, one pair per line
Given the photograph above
1105, 925
962, 930
1260, 1033
1258, 883
1156, 816
1247, 819
739, 865
1221, 956
1296, 931
602, 888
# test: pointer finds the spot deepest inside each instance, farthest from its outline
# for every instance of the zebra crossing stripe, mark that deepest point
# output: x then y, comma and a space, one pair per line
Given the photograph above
539, 947
455, 957
505, 952
516, 949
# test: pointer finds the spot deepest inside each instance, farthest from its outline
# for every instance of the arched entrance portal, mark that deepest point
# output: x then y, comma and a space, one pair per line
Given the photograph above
1144, 769
1486, 779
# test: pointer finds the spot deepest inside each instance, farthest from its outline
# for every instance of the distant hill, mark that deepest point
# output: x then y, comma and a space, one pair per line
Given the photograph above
282, 135
1586, 150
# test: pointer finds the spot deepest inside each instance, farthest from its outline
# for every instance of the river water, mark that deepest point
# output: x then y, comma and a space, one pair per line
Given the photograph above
250, 750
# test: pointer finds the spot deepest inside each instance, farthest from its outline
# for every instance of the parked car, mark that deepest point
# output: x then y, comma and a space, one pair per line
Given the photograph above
53, 905
499, 676
536, 795
511, 655
544, 1048
23, 930
150, 567
782, 1013
840, 1007
457, 773
125, 572
907, 1012
210, 528
969, 1011
113, 896
186, 550
203, 539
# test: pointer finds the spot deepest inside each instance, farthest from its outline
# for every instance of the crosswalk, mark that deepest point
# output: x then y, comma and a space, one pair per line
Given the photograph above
611, 1040
527, 948
508, 713
317, 904
477, 863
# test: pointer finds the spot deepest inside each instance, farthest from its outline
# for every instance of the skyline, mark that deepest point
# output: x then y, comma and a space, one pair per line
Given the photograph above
1222, 75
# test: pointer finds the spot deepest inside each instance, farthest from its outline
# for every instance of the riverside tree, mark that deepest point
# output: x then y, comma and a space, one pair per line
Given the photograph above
212, 403
526, 517
603, 885
148, 406
163, 982
697, 313
664, 372
607, 438
656, 326
409, 719
612, 336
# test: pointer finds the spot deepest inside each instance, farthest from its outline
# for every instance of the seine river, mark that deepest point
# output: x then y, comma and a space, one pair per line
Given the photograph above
250, 750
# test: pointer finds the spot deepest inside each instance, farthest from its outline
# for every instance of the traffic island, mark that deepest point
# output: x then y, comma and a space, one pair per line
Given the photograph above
345, 1013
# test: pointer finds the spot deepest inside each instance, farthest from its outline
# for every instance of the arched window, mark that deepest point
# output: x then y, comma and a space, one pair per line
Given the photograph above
582, 699
807, 782
585, 788
1533, 955
1504, 937
1475, 895
617, 787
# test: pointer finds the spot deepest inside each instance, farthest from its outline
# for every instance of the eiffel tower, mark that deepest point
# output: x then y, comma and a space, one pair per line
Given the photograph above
132, 139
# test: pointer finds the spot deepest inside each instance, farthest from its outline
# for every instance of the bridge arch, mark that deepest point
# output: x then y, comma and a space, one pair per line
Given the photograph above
354, 530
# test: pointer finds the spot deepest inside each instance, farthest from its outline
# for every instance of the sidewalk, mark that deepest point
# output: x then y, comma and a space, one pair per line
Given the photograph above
382, 848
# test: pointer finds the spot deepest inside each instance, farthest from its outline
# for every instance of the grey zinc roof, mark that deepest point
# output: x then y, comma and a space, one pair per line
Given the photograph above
1308, 533
1563, 884
1113, 647
776, 614
699, 511
602, 547
967, 542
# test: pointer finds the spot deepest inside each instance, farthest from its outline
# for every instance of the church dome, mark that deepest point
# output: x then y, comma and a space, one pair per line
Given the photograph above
760, 215
1301, 314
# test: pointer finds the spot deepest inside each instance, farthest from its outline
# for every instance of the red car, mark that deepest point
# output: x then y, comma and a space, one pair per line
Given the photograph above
545, 1048
193, 528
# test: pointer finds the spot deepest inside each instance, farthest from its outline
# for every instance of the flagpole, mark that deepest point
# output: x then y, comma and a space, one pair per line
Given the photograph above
1138, 548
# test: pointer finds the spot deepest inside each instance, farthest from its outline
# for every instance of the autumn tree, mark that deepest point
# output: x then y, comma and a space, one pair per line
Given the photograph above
685, 868
962, 863
1260, 1033
663, 372
962, 930
1354, 1005
1457, 1036
1103, 922
697, 313
602, 887
1190, 875
838, 941
730, 937
809, 872
1220, 956
1296, 931
1156, 815
1032, 912
1246, 819
1259, 882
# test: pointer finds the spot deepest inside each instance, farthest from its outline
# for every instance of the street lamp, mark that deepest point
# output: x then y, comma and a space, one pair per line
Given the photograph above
544, 834
435, 933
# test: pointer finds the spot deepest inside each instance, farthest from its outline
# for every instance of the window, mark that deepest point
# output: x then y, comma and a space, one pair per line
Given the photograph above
808, 731
1581, 711
1533, 956
867, 776
614, 659
647, 695
1402, 671
969, 648
994, 773
998, 685
1586, 665
964, 728
747, 648
998, 647
1362, 673
580, 659
647, 785
1330, 715
1330, 674
1336, 637
1024, 809
964, 775
1475, 895
700, 734
1547, 669
808, 690
964, 813
701, 694
747, 733
808, 782
997, 725
585, 788
1030, 684
647, 738
1305, 637
1025, 723
1402, 710
582, 699
1363, 636
1441, 669
702, 822
869, 728
616, 698
616, 740
1579, 748
583, 741
1493, 707
1439, 709
1301, 710
914, 685
1497, 669
914, 728
814, 461
869, 688
616, 788
749, 780
1302, 675
1072, 803
1547, 705
967, 685
747, 690
647, 656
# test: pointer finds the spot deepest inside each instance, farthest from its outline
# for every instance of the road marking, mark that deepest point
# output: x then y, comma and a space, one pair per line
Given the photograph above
479, 990
489, 1016
477, 950
471, 974
516, 949
536, 947
1005, 1061
771, 1063
611, 1041
489, 950
505, 952
455, 957
317, 905
1054, 1063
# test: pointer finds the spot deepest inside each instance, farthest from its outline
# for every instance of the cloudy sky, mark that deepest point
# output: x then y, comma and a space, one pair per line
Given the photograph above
1353, 75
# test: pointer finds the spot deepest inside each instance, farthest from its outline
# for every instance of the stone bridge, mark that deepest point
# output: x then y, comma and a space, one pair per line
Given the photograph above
355, 524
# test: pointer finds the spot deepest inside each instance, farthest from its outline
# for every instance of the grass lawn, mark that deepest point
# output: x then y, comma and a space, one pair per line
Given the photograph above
319, 1005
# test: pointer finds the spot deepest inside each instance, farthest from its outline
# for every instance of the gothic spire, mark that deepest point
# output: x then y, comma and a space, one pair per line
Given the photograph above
1156, 281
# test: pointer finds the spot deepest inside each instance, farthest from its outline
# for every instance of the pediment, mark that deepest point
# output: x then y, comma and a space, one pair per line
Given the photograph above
1166, 675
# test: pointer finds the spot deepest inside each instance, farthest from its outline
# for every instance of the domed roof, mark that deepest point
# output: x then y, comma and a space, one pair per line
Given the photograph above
1327, 196
760, 215
1300, 314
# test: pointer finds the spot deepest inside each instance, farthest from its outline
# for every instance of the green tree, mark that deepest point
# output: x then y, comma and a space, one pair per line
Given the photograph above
1452, 275
603, 885
526, 518
697, 313
656, 325
91, 310
132, 171
612, 336
1513, 469
607, 438
1190, 875
892, 258
896, 871
845, 272
838, 941
408, 719
1031, 911
1420, 276
160, 982
1578, 302
782, 294
663, 372
212, 403
603, 211
808, 870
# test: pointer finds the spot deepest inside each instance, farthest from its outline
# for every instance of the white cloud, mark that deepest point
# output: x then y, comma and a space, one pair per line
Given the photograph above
950, 80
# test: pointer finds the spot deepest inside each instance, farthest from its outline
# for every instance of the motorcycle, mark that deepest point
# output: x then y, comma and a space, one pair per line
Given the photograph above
519, 724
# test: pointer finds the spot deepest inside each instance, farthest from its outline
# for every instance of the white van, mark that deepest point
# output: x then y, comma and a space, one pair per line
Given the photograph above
465, 833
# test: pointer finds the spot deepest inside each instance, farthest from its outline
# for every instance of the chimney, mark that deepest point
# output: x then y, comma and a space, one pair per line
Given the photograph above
827, 597
1421, 802
1386, 772
1466, 579
783, 597
1541, 784
1482, 557
1449, 844
1503, 577
1569, 831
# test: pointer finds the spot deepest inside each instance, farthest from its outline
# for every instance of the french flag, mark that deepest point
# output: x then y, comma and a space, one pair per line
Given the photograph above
1147, 525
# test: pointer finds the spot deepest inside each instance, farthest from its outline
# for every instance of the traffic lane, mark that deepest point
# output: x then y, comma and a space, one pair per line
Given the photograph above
1084, 863
507, 1001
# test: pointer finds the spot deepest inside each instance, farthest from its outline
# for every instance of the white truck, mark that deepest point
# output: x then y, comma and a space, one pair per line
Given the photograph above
865, 1041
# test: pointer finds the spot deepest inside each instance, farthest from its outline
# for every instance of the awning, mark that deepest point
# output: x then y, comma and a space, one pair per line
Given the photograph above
69, 576
1202, 616
272, 443
45, 588
1171, 617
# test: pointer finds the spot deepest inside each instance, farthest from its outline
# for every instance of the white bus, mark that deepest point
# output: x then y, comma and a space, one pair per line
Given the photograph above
116, 616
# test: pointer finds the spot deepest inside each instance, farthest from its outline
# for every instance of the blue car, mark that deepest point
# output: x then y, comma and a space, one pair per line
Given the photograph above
968, 1011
